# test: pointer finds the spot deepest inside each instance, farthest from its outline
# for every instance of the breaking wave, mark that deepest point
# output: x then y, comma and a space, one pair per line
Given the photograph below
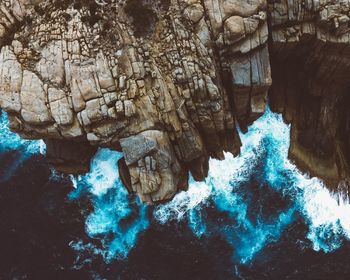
21, 148
258, 194
249, 201
116, 218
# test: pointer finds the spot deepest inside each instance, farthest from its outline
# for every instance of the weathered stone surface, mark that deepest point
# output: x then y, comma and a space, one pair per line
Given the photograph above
34, 100
167, 83
59, 105
310, 60
194, 12
51, 65
234, 29
10, 81
155, 171
137, 147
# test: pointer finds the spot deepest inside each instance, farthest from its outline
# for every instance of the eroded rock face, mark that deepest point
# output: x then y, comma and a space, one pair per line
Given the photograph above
165, 89
310, 57
166, 82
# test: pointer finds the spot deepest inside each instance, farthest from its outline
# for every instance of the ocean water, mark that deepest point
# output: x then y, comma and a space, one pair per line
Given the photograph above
22, 149
255, 217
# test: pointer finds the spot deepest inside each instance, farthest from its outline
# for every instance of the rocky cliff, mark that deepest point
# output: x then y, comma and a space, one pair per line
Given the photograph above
167, 82
310, 59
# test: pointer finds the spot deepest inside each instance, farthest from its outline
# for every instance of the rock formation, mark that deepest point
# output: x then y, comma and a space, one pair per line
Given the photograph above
167, 82
310, 59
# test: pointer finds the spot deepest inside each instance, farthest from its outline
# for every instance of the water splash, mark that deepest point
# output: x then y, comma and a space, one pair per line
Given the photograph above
22, 149
248, 200
239, 189
233, 190
11, 141
116, 220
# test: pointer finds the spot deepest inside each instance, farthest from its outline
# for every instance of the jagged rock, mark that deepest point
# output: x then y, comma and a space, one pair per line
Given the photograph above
310, 63
166, 82
137, 147
125, 174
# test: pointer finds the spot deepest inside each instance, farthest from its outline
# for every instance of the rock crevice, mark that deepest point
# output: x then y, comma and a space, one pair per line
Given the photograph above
310, 63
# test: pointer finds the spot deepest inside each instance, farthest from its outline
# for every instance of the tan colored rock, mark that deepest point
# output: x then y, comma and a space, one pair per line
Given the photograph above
194, 12
60, 108
312, 91
161, 91
2, 32
169, 93
51, 65
234, 29
10, 81
103, 72
242, 8
34, 100
151, 160
85, 77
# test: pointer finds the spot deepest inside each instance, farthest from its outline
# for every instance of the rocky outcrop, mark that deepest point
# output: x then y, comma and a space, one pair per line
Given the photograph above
165, 89
167, 82
310, 58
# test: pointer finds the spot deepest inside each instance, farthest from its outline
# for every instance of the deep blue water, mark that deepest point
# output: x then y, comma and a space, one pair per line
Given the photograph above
255, 217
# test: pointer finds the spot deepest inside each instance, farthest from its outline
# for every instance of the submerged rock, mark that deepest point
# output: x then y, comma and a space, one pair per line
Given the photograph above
167, 82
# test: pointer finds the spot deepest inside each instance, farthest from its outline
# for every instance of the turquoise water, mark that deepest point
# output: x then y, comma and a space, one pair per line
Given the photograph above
264, 160
10, 141
110, 219
248, 201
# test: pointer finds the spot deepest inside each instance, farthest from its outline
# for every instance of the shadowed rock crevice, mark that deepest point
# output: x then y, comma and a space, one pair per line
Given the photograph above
68, 156
310, 60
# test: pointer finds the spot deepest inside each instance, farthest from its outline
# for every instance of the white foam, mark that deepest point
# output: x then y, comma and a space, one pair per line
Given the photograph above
112, 206
184, 202
104, 171
328, 220
11, 141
